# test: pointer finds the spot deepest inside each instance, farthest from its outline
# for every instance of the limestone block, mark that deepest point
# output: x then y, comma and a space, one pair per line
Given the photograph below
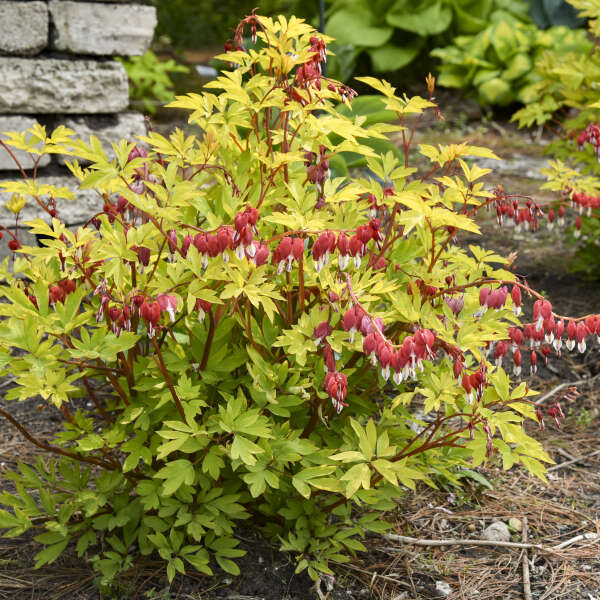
23, 27
50, 85
86, 204
14, 123
101, 29
108, 129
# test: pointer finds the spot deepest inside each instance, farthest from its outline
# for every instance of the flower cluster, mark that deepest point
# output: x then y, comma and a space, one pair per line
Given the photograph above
509, 211
543, 334
59, 292
590, 135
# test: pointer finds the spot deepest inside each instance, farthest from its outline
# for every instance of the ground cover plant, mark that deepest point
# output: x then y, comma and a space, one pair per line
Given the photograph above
251, 333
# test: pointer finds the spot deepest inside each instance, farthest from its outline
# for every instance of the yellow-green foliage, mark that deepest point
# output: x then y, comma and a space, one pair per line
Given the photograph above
204, 422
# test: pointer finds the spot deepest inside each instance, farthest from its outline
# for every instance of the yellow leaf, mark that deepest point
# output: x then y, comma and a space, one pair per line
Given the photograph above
16, 203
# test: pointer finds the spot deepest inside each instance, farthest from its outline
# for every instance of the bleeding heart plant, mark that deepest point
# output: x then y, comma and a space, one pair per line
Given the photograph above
255, 336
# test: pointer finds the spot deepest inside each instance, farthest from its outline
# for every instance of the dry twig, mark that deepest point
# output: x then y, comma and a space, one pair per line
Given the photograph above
466, 542
562, 386
572, 461
526, 581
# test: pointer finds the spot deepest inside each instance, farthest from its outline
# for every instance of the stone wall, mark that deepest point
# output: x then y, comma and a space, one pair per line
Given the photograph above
57, 67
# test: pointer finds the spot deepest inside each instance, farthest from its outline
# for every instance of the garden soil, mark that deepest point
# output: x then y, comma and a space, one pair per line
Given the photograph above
556, 511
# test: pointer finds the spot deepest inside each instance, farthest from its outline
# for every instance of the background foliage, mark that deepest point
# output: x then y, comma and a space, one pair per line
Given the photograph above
566, 100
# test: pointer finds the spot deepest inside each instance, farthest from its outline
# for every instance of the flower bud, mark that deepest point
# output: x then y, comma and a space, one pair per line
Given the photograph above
329, 358
143, 255
517, 361
185, 245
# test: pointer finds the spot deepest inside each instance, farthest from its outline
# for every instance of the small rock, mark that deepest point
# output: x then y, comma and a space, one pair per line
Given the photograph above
206, 72
515, 524
496, 532
443, 588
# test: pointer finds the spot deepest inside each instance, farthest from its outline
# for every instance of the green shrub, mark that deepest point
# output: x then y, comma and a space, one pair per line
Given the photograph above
150, 80
496, 65
263, 334
394, 32
205, 24
566, 101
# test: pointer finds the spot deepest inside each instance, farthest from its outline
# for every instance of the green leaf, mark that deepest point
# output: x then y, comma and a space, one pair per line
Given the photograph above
50, 554
227, 565
175, 474
426, 17
475, 476
355, 25
392, 58
495, 91
244, 449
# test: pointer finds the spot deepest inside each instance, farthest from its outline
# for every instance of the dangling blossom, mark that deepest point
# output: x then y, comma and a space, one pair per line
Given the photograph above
533, 362
384, 355
168, 303
351, 321
203, 307
336, 385
321, 332
515, 295
571, 334
324, 245
466, 384
370, 347
517, 361
343, 247
581, 334
288, 250
500, 352
150, 312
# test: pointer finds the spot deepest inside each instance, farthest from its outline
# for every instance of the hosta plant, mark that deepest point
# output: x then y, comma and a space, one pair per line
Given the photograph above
496, 65
392, 33
238, 337
546, 13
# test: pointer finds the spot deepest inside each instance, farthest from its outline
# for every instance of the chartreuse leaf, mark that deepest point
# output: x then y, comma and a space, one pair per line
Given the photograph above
185, 353
244, 449
176, 473
356, 477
